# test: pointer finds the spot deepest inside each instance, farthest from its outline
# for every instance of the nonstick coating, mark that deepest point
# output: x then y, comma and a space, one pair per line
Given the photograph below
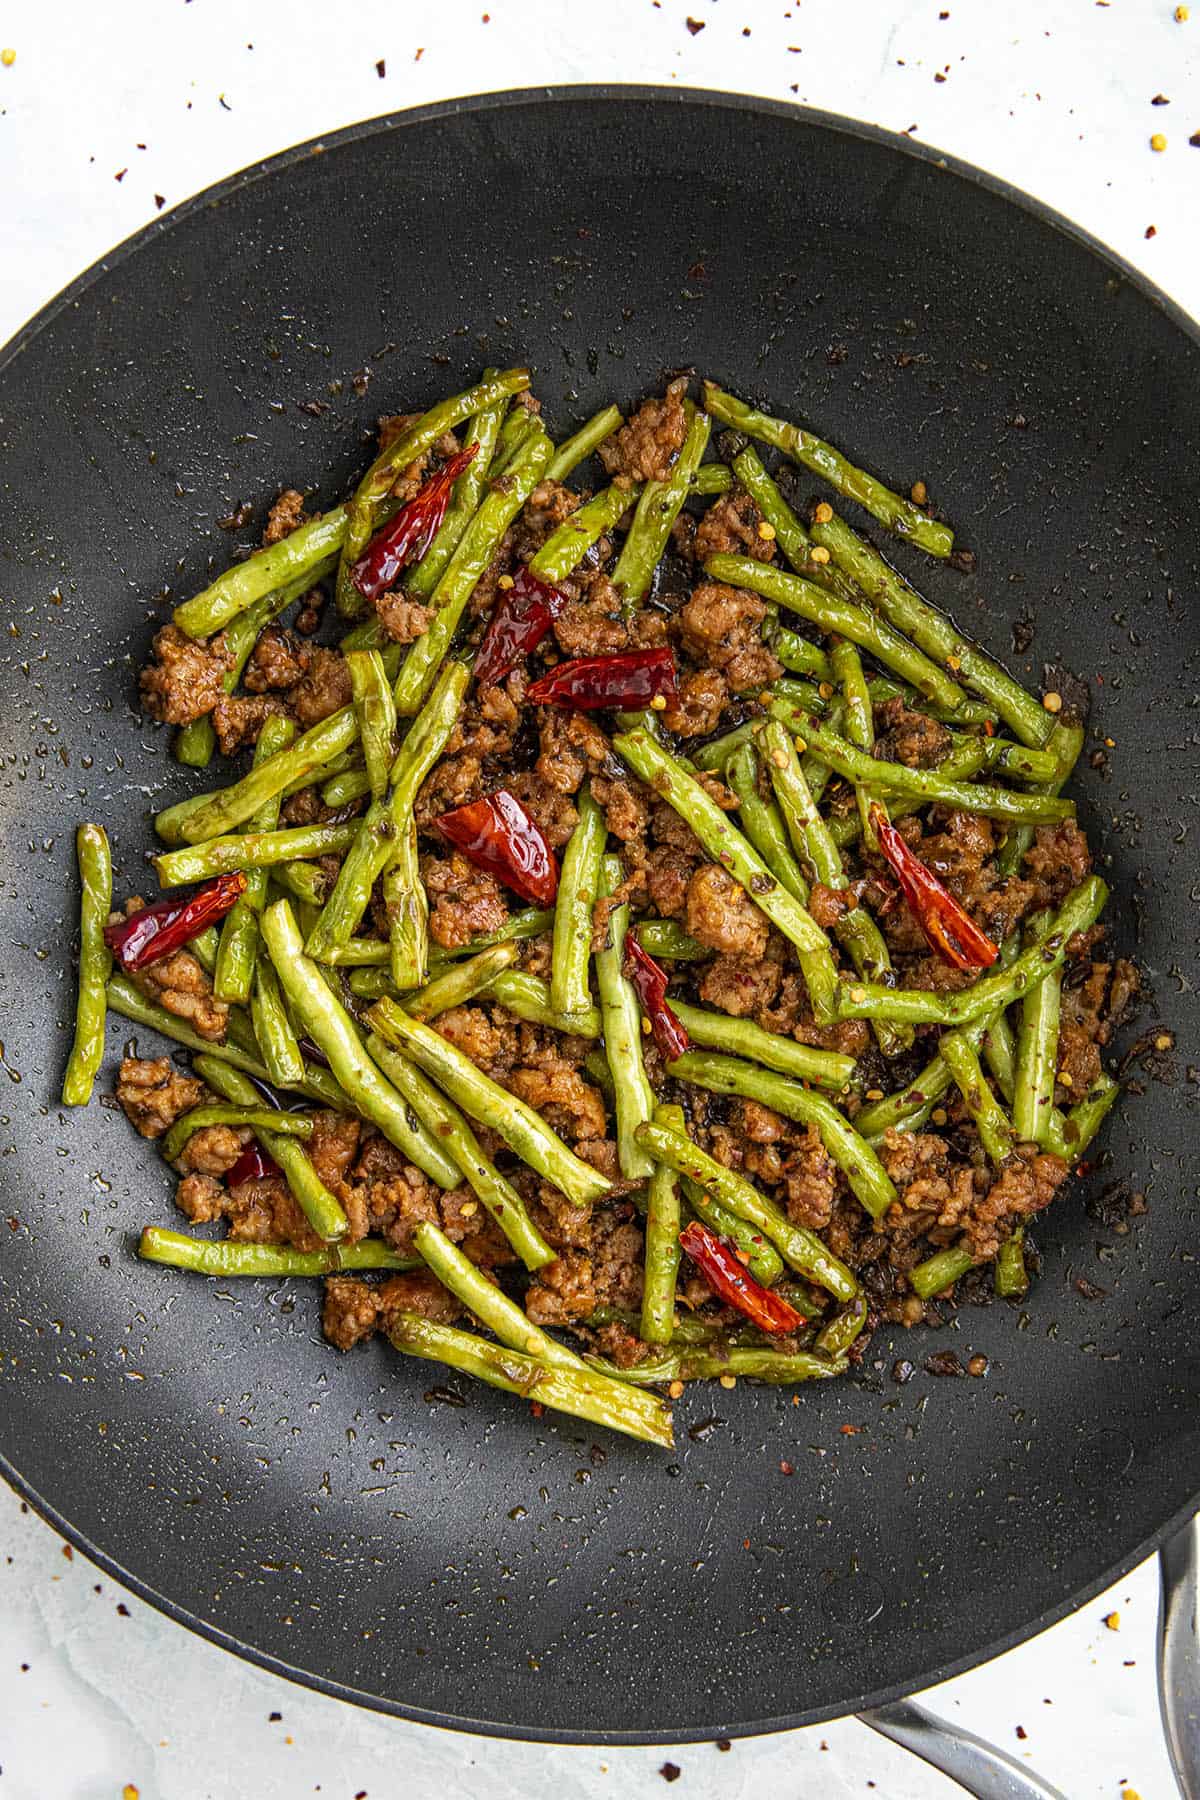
326, 1514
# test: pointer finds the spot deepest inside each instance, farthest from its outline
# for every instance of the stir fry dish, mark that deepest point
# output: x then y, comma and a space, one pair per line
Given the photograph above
641, 916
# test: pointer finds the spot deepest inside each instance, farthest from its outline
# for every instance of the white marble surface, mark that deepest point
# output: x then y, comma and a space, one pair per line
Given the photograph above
96, 1690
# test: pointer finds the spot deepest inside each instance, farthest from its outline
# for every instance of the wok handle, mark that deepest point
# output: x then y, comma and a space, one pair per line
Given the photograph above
1179, 1655
979, 1768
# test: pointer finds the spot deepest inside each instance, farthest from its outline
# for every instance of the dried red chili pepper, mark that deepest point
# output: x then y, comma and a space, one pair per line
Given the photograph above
159, 930
252, 1165
718, 1262
524, 614
630, 679
651, 984
948, 929
408, 534
497, 834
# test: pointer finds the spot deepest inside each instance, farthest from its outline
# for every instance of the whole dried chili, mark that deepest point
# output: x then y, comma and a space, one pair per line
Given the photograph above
524, 614
408, 534
158, 931
631, 679
948, 928
719, 1264
497, 834
650, 982
252, 1165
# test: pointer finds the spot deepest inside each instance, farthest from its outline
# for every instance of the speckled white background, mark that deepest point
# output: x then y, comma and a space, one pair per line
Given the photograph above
111, 113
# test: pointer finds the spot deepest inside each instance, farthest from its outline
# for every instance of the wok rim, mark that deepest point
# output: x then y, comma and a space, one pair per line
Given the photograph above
637, 94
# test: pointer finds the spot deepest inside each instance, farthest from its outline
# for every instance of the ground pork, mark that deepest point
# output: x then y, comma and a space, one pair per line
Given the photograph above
544, 511
238, 719
721, 627
353, 1310
323, 689
645, 448
1057, 860
697, 709
730, 528
720, 914
626, 812
153, 1093
570, 746
912, 738
213, 1149
465, 901
455, 781
185, 680
179, 984
490, 1045
404, 620
550, 810
278, 660
569, 1104
739, 985
593, 624
287, 512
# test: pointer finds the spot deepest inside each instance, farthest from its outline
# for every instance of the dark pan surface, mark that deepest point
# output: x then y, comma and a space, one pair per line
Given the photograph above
472, 1564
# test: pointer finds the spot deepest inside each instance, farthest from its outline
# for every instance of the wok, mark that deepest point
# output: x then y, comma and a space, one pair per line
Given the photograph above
327, 1515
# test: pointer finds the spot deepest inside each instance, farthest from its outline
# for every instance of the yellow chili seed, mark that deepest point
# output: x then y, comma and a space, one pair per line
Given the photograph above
1182, 14
919, 493
8, 58
800, 744
1164, 1041
820, 554
954, 662
766, 530
938, 1116
645, 1027
658, 703
779, 758
858, 994
468, 1207
1158, 141
874, 1093
825, 689
1113, 1621
505, 581
1052, 702
823, 512
728, 1381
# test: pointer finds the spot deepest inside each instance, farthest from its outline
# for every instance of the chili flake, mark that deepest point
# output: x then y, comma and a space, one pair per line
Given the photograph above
823, 512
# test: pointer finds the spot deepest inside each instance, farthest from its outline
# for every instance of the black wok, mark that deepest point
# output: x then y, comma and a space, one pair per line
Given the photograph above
322, 1514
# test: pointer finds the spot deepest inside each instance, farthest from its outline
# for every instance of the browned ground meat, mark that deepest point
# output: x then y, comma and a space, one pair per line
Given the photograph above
645, 448
739, 985
912, 738
722, 626
697, 711
549, 809
323, 689
403, 619
626, 812
278, 660
287, 512
184, 681
569, 746
179, 984
593, 625
333, 1147
153, 1093
810, 1179
564, 1099
471, 1030
721, 914
237, 721
353, 1310
454, 782
213, 1149
730, 528
1057, 860
549, 504
465, 902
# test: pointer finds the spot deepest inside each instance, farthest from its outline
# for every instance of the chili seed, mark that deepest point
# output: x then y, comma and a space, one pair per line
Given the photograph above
1052, 702
823, 512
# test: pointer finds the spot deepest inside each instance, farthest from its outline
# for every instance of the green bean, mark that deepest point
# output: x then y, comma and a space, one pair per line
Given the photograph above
781, 1368
486, 1302
1019, 762
742, 1037
580, 445
565, 548
233, 976
530, 922
525, 1133
194, 743
939, 1272
621, 1017
362, 514
999, 1047
475, 550
95, 962
801, 1248
845, 1326
1070, 1138
175, 1250
763, 823
930, 784
933, 631
796, 653
657, 510
661, 1264
759, 1253
831, 613
461, 982
528, 996
272, 1027
255, 1118
573, 908
450, 1129
1067, 743
1037, 1049
571, 1391
711, 478
321, 1208
790, 534
892, 510
330, 1027
357, 953
967, 712
959, 764
369, 983
726, 845
595, 1064
346, 787
254, 850
1081, 908
995, 1128
296, 562
376, 713
863, 1170
232, 806
370, 849
1011, 1277
667, 939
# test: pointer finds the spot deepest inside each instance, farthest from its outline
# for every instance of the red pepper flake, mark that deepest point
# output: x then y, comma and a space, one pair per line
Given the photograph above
160, 200
536, 1408
785, 1468
695, 26
497, 834
158, 931
715, 1258
120, 174
850, 1430
68, 1553
650, 982
948, 929
381, 68
1151, 231
1022, 1733
522, 617
407, 536
670, 1771
631, 679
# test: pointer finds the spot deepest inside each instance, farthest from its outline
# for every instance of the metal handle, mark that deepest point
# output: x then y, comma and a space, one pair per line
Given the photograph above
1179, 1655
978, 1768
